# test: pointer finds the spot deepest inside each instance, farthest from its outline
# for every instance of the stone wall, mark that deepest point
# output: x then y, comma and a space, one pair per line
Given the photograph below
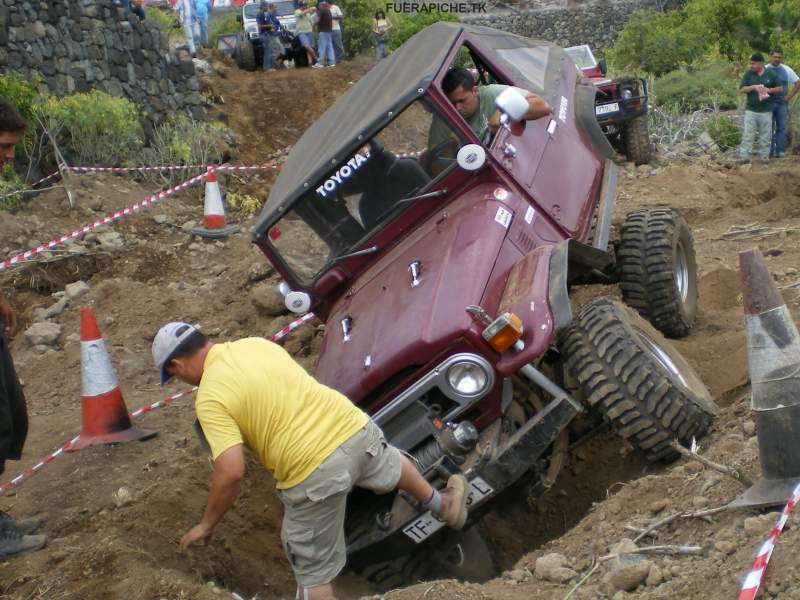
79, 45
567, 22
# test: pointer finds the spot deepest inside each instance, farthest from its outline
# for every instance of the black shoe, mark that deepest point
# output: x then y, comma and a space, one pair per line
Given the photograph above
12, 542
21, 526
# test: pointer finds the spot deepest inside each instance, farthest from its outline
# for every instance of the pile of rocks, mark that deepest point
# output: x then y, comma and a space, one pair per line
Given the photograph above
81, 45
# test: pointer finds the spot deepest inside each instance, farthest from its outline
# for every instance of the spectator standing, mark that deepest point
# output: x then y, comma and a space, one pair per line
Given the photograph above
325, 27
381, 27
780, 111
202, 8
338, 46
758, 83
137, 8
268, 28
305, 29
15, 535
188, 18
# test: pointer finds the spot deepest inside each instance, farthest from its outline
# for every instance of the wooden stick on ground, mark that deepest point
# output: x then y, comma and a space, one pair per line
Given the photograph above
665, 549
688, 515
724, 469
582, 581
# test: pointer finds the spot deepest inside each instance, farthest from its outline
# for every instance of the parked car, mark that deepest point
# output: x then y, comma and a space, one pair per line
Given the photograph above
442, 273
621, 106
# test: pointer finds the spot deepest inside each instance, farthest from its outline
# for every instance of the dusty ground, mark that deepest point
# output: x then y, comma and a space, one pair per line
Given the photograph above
100, 550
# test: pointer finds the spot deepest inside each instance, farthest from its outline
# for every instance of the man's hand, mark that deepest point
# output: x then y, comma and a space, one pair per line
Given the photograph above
7, 316
197, 533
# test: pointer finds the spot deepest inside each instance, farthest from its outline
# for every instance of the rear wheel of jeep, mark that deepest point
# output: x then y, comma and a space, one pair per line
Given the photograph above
247, 56
637, 140
657, 269
629, 373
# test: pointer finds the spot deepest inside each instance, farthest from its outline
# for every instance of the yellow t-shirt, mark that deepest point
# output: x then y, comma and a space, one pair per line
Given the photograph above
253, 393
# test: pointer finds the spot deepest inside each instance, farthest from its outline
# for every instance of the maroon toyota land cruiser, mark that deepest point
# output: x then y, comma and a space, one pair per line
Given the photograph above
442, 268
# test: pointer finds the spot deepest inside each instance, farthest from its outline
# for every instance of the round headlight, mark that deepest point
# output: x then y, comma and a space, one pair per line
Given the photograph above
467, 378
627, 94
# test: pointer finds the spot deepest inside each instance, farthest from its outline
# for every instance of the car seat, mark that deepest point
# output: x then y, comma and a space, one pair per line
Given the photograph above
404, 177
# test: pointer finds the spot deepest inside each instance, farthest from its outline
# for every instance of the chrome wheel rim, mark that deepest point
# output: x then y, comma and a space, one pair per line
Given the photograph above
681, 273
661, 357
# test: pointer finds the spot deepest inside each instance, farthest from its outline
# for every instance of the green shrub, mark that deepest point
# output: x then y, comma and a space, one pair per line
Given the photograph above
406, 25
10, 182
725, 131
95, 128
223, 25
708, 83
656, 43
183, 141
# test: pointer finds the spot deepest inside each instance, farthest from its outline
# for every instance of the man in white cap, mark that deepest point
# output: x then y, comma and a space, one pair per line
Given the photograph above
313, 440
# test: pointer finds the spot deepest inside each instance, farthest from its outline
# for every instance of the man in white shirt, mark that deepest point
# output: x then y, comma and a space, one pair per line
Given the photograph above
780, 112
338, 47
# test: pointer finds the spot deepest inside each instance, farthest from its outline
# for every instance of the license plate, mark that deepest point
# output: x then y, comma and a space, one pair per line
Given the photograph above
427, 524
604, 109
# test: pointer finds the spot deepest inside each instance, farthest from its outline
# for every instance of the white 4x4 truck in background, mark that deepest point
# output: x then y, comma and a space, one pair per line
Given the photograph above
249, 52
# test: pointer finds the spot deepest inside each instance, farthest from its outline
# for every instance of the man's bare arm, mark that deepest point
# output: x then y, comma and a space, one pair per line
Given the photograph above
537, 108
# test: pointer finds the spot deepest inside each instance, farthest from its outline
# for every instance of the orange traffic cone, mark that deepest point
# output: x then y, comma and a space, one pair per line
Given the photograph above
773, 352
104, 416
214, 225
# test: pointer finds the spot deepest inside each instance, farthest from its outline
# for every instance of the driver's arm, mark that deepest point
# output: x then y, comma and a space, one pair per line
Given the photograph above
537, 108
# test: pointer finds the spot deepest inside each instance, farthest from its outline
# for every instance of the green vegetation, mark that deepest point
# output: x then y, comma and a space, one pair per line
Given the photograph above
10, 183
95, 128
358, 17
167, 22
725, 131
658, 43
223, 25
705, 83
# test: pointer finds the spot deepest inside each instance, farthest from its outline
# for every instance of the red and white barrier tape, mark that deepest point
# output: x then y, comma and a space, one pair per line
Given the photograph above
754, 578
116, 216
173, 168
28, 473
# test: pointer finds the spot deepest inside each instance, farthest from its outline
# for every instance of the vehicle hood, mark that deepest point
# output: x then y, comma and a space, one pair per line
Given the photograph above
395, 325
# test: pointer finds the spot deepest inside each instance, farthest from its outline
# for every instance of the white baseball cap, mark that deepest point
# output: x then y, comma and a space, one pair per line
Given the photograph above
166, 343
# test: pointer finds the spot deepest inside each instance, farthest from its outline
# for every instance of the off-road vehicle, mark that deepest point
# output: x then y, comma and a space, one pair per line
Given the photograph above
249, 52
442, 271
620, 106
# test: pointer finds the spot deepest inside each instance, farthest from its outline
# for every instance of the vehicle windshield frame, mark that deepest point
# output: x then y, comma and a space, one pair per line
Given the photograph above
581, 48
392, 215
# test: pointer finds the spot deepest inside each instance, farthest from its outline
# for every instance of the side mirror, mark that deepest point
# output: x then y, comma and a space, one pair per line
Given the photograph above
239, 19
602, 65
512, 104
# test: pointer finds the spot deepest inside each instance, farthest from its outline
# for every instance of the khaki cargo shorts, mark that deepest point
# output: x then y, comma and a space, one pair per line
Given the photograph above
314, 510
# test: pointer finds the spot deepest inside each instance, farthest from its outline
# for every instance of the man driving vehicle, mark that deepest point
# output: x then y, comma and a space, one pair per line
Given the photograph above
477, 105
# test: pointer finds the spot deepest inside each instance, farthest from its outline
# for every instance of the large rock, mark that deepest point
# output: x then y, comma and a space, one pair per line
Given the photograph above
628, 571
110, 240
76, 290
553, 567
43, 334
266, 298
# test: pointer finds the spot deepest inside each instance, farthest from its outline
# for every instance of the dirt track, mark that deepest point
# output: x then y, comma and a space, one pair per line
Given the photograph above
98, 550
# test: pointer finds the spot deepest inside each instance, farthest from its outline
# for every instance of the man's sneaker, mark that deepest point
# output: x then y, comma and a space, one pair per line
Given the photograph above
12, 542
317, 66
329, 66
21, 526
454, 502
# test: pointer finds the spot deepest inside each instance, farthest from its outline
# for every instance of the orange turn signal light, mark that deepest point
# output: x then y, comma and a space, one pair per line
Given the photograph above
503, 332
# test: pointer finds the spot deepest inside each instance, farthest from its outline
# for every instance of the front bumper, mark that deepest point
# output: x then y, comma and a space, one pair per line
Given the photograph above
406, 526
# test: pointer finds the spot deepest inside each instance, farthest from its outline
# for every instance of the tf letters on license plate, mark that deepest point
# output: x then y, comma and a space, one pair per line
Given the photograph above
427, 524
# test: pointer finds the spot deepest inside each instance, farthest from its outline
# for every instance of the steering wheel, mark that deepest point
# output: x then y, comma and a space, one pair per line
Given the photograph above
440, 157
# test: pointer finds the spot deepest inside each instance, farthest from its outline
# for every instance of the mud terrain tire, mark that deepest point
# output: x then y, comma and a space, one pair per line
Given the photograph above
246, 56
658, 270
637, 140
633, 376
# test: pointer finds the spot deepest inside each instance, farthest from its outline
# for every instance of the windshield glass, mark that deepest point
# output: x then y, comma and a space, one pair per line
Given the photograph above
582, 56
366, 190
283, 8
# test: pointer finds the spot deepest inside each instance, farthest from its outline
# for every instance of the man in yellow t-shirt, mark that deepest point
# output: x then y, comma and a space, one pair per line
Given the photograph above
314, 441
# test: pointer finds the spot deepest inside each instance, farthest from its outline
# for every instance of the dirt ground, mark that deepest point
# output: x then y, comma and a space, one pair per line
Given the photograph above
155, 272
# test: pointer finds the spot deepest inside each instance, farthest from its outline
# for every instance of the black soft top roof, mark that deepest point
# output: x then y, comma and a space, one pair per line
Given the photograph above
388, 88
